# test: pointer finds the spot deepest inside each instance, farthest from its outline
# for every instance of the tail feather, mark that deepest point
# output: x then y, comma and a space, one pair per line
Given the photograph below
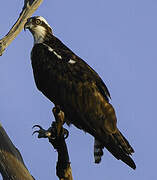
120, 149
123, 142
98, 151
118, 146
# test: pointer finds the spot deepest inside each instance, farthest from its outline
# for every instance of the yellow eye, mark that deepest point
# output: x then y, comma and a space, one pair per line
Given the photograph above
38, 21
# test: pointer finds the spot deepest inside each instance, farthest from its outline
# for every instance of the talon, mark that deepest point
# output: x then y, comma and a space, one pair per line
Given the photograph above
37, 126
35, 132
66, 133
42, 133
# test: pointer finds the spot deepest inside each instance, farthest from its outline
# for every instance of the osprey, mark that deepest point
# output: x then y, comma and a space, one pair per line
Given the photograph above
68, 81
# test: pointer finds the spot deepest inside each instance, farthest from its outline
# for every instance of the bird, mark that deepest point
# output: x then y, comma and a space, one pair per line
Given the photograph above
68, 81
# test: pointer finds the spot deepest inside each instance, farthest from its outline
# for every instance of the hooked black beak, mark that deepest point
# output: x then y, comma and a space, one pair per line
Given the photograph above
27, 24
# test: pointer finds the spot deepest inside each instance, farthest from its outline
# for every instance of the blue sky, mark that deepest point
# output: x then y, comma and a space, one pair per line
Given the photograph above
119, 40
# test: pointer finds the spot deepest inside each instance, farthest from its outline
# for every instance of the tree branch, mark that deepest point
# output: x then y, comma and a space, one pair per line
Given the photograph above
12, 166
28, 9
57, 135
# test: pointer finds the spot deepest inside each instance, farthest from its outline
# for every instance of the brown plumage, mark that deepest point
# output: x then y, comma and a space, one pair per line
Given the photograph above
68, 81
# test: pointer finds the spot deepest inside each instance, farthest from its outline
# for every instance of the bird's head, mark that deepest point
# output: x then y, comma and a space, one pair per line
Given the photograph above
39, 28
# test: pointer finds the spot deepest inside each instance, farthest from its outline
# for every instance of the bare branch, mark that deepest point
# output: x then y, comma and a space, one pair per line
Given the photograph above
28, 9
12, 166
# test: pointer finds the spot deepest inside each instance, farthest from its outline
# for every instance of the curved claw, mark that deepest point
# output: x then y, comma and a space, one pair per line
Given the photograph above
66, 133
37, 126
35, 132
42, 133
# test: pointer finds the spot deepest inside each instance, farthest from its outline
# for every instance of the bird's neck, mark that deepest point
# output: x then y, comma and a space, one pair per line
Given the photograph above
42, 36
49, 40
